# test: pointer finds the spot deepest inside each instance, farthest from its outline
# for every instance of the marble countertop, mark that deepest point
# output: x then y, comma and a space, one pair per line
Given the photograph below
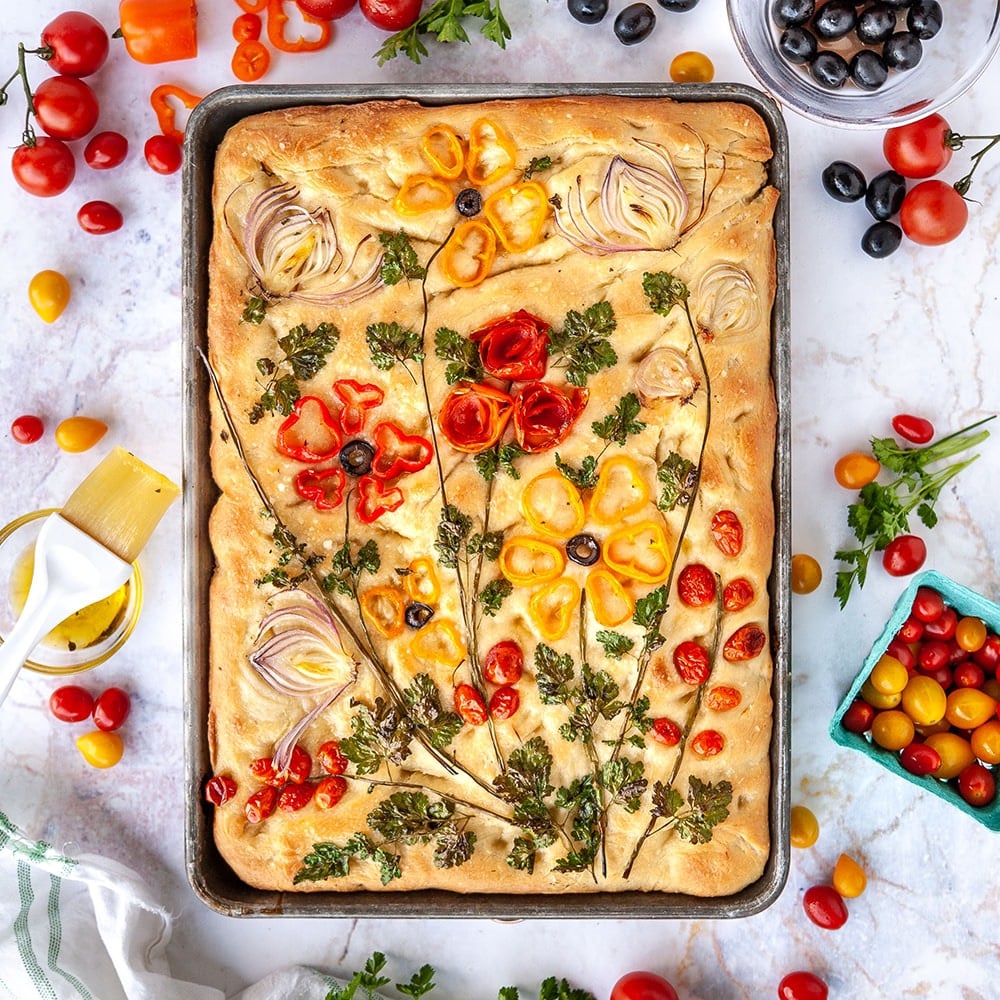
916, 332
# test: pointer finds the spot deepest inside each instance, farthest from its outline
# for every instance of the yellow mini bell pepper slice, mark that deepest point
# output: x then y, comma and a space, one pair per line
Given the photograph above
551, 607
621, 491
517, 214
552, 505
466, 259
422, 193
639, 552
421, 581
385, 609
526, 561
610, 602
491, 152
444, 151
438, 644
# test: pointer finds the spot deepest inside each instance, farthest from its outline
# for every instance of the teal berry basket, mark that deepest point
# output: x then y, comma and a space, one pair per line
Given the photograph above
966, 602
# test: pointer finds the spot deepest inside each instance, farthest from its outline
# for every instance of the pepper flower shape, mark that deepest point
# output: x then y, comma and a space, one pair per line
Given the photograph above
335, 447
513, 349
599, 533
461, 172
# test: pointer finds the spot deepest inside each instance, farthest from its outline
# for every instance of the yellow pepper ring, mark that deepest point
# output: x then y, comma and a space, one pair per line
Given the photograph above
517, 213
552, 505
421, 582
385, 608
610, 602
422, 193
621, 491
525, 561
438, 643
639, 551
551, 607
444, 151
491, 152
467, 257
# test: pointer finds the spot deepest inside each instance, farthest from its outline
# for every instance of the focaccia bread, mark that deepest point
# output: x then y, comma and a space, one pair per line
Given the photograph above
493, 431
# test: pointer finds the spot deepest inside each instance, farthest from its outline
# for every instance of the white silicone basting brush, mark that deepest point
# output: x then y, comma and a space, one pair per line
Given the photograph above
86, 551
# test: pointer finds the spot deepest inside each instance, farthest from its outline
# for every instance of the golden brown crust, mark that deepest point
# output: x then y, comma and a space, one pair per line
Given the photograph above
351, 161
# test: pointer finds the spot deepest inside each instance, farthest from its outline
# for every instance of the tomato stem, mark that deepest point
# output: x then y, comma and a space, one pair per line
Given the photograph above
955, 141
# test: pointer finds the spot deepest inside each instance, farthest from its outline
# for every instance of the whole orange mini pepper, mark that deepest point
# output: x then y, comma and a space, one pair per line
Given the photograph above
157, 31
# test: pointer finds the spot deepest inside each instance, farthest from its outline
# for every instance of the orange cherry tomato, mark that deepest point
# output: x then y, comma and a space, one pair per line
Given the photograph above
856, 469
804, 827
49, 292
807, 573
101, 749
692, 67
80, 433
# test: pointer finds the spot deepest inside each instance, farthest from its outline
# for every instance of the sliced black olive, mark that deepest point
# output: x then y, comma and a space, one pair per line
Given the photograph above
902, 51
634, 23
844, 181
925, 18
881, 239
829, 70
678, 6
798, 45
587, 11
418, 614
868, 69
786, 13
583, 549
469, 202
834, 19
885, 194
875, 24
356, 457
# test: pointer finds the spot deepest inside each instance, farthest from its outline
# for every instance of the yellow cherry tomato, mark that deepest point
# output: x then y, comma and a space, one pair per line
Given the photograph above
48, 292
856, 469
889, 676
969, 708
849, 877
691, 67
924, 700
80, 433
955, 752
985, 742
804, 827
892, 729
101, 749
876, 699
970, 634
806, 573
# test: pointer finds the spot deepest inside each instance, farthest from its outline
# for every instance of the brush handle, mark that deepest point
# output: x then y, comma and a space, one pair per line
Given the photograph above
71, 570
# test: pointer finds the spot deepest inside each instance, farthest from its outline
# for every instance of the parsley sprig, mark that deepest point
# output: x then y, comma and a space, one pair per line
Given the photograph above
882, 511
615, 428
582, 346
443, 19
400, 261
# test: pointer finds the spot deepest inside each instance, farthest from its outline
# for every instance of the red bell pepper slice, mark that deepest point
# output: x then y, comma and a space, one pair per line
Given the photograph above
323, 488
374, 499
544, 414
358, 399
309, 433
514, 347
397, 452
473, 416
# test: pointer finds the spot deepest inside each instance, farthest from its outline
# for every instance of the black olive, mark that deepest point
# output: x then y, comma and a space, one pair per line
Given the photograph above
875, 24
844, 181
788, 13
583, 549
897, 4
418, 614
469, 202
834, 19
829, 70
868, 69
587, 11
634, 23
885, 194
881, 239
798, 45
902, 51
924, 19
356, 457
678, 6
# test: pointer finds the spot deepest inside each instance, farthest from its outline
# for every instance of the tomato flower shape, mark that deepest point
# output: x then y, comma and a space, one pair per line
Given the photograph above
544, 414
462, 170
473, 416
514, 347
631, 553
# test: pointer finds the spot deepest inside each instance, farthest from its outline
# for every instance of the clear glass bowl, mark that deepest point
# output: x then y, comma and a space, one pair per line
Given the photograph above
952, 61
84, 640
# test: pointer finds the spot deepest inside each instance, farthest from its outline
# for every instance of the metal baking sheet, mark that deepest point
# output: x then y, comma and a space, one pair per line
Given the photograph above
210, 877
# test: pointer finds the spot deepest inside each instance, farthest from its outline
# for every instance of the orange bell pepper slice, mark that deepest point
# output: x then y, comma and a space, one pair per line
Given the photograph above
162, 101
277, 22
444, 151
422, 193
517, 215
491, 152
551, 607
639, 551
525, 561
552, 505
610, 602
621, 491
438, 644
421, 581
466, 259
385, 608
157, 31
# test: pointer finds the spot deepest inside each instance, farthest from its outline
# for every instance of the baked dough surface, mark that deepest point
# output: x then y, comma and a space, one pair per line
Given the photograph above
351, 162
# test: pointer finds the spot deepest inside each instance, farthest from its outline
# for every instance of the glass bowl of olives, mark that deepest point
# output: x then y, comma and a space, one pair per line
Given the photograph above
870, 64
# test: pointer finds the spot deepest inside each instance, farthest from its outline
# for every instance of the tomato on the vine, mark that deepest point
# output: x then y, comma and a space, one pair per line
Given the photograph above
643, 986
391, 15
75, 44
163, 154
933, 213
918, 149
105, 150
802, 986
326, 10
65, 107
904, 555
45, 167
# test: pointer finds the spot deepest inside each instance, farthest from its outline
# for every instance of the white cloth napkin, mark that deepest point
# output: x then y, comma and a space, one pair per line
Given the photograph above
87, 928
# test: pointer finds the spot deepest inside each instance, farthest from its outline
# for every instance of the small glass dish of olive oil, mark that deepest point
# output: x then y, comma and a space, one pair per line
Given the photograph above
85, 638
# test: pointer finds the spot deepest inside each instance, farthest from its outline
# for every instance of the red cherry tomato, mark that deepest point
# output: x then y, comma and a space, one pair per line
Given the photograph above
920, 759
105, 150
470, 705
943, 627
71, 703
933, 213
219, 789
968, 674
45, 168
292, 798
977, 785
918, 149
928, 604
737, 594
988, 655
163, 154
904, 555
78, 44
666, 731
825, 907
802, 986
330, 791
504, 663
504, 702
858, 717
643, 986
330, 758
27, 429
727, 531
65, 107
912, 428
391, 15
99, 218
326, 10
692, 662
261, 804
696, 585
111, 709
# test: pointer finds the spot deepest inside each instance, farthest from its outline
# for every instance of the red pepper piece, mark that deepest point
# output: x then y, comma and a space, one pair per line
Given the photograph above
514, 347
323, 488
309, 433
544, 414
397, 452
358, 399
473, 416
374, 499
